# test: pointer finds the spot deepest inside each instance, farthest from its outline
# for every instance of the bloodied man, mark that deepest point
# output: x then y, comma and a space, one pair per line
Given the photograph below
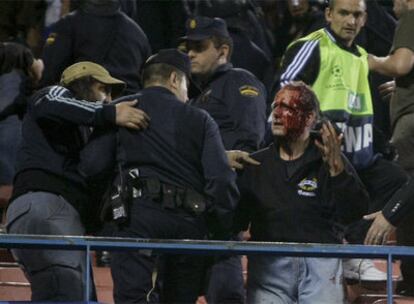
292, 111
302, 189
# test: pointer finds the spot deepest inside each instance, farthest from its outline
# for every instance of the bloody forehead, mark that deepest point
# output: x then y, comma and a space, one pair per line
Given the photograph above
289, 97
297, 97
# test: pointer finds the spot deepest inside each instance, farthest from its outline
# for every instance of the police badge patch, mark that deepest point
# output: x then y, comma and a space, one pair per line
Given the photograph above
249, 91
51, 38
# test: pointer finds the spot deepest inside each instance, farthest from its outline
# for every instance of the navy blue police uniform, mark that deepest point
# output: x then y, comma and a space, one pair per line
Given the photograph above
179, 156
101, 34
49, 195
236, 100
252, 48
234, 97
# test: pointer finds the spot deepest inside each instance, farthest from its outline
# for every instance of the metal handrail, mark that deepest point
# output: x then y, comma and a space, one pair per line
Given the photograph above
208, 248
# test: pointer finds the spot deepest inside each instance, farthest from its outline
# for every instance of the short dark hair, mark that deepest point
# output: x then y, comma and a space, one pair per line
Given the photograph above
218, 41
81, 87
159, 72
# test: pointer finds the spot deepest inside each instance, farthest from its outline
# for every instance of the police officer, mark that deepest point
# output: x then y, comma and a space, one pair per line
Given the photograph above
49, 195
98, 31
236, 100
244, 19
178, 170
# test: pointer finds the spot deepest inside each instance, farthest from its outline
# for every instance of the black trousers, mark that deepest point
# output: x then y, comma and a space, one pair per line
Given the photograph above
382, 179
133, 271
405, 237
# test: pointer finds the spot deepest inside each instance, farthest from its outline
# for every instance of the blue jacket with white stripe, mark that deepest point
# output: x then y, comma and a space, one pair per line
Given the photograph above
52, 139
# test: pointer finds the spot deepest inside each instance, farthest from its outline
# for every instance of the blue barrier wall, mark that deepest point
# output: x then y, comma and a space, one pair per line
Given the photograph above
209, 248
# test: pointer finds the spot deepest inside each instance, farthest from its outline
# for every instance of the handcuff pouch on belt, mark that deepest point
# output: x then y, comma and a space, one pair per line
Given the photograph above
169, 196
187, 199
194, 202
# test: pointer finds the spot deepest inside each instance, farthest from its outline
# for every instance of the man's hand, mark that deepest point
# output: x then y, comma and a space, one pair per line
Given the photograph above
130, 117
237, 158
380, 229
387, 89
331, 148
36, 70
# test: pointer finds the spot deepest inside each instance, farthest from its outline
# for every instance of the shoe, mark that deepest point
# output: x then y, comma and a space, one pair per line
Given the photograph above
103, 258
362, 270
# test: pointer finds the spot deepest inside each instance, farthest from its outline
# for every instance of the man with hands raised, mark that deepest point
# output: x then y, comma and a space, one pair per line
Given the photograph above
302, 190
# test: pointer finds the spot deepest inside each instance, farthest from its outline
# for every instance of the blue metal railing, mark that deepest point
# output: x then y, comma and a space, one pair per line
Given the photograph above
208, 248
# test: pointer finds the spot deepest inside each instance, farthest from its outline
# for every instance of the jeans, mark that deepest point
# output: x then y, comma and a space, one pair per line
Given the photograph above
55, 275
286, 280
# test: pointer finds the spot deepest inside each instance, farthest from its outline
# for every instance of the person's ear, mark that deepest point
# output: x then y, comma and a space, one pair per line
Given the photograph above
224, 52
365, 19
174, 80
311, 119
328, 15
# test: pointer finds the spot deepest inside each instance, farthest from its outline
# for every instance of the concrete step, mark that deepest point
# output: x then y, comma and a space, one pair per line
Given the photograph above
104, 284
12, 274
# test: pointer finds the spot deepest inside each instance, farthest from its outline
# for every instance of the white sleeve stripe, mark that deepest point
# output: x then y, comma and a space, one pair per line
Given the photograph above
296, 59
56, 91
88, 104
302, 58
82, 104
76, 103
330, 35
304, 61
299, 61
61, 91
52, 90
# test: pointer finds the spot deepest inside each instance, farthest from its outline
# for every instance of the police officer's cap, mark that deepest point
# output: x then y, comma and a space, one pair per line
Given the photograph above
96, 71
173, 57
200, 28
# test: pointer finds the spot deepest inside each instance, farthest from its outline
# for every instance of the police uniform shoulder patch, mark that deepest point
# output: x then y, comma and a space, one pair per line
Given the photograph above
248, 90
51, 38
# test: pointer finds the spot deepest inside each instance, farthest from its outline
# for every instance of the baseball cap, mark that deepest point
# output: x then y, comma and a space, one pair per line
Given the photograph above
96, 71
200, 28
173, 57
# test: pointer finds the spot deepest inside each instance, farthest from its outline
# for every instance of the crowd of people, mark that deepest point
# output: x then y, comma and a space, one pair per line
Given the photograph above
271, 121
